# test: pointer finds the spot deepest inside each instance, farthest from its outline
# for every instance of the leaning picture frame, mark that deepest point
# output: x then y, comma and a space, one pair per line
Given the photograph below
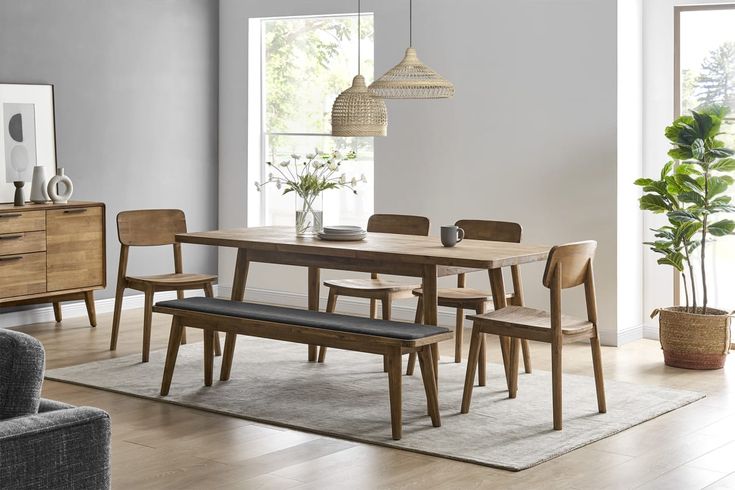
28, 136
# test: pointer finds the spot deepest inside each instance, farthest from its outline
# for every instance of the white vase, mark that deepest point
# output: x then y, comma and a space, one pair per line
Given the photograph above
53, 191
39, 194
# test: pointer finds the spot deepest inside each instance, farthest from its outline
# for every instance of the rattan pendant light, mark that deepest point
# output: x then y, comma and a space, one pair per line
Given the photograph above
355, 112
411, 79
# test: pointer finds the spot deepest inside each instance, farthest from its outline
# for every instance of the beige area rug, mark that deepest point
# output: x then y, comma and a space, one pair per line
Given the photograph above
347, 397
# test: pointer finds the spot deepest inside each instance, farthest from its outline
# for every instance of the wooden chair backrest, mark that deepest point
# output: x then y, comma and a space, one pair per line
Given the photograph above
150, 227
495, 231
398, 223
572, 262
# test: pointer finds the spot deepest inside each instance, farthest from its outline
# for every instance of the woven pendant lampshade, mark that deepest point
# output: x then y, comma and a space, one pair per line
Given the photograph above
411, 79
356, 113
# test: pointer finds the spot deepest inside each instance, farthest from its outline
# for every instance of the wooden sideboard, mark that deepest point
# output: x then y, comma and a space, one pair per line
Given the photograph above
51, 253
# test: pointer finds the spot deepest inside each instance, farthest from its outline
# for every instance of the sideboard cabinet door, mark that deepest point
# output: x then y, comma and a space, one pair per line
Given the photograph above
75, 248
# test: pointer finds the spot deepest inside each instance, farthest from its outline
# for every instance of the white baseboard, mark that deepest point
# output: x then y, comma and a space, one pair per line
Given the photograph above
76, 309
346, 305
630, 334
650, 332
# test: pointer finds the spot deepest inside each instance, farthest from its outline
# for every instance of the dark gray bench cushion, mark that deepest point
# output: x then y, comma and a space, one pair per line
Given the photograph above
305, 318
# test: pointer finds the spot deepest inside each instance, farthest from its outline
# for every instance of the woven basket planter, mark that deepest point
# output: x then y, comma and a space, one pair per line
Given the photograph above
693, 340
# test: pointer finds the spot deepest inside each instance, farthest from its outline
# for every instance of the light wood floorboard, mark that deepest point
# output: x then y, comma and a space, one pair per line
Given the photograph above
156, 445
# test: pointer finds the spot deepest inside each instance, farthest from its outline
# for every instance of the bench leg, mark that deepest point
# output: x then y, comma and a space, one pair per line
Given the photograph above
331, 306
209, 293
314, 285
515, 347
174, 340
472, 359
394, 386
482, 361
227, 356
385, 306
417, 319
427, 374
208, 356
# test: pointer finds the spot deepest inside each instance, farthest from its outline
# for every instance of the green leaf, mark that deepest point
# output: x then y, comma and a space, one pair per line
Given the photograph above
698, 149
680, 216
680, 153
724, 165
667, 168
721, 152
654, 203
716, 185
704, 124
641, 182
688, 183
688, 169
692, 197
722, 227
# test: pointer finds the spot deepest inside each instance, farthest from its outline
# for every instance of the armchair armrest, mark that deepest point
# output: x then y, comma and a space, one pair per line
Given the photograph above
60, 447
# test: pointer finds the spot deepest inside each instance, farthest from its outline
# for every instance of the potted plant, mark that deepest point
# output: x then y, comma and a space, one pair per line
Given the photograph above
691, 192
308, 179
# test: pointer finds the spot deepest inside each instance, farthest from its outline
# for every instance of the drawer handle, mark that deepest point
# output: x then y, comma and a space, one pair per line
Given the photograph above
10, 215
11, 258
11, 237
76, 210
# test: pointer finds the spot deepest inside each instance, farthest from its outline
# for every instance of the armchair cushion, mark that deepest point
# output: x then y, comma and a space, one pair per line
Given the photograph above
21, 374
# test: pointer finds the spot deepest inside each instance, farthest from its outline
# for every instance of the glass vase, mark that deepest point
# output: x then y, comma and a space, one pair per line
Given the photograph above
308, 214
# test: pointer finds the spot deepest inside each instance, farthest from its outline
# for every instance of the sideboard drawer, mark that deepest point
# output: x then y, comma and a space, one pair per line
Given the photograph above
22, 243
15, 221
22, 274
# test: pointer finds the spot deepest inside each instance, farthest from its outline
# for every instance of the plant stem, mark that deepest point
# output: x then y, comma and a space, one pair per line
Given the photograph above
686, 291
691, 275
704, 239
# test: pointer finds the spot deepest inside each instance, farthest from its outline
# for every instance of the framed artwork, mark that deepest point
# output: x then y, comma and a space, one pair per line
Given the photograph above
28, 135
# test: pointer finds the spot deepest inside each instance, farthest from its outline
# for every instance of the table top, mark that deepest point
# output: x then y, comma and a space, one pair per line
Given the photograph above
479, 254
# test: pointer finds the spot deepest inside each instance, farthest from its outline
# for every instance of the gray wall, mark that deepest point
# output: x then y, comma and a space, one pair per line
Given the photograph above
136, 85
530, 136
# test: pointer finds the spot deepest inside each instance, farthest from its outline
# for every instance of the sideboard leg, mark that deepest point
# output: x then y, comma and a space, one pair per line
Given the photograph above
57, 311
91, 313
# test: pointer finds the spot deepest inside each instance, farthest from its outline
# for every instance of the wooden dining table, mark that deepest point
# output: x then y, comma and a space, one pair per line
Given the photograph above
386, 253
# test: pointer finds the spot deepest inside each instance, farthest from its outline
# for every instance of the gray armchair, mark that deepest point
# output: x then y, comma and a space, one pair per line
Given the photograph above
43, 443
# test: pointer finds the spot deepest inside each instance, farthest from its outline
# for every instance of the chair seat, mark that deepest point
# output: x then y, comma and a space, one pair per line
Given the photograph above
521, 317
172, 279
370, 285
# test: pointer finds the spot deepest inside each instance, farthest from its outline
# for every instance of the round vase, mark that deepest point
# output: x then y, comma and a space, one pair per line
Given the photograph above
308, 215
39, 193
53, 191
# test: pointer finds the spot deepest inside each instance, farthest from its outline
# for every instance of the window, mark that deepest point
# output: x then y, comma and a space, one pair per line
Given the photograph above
705, 75
297, 67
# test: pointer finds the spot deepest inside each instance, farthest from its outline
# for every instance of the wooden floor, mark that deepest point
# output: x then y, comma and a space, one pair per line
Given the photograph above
156, 445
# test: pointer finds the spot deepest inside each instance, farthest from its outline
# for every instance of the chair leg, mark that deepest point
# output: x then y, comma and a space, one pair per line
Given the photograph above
513, 367
394, 386
209, 293
417, 319
173, 351
373, 309
472, 358
556, 373
147, 321
91, 311
208, 356
57, 312
180, 295
599, 380
385, 306
116, 317
526, 356
458, 334
331, 306
426, 364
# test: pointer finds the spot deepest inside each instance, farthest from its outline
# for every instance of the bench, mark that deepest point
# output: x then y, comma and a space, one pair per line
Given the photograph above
387, 338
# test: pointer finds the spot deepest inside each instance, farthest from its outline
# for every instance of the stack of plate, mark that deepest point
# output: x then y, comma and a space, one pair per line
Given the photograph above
342, 233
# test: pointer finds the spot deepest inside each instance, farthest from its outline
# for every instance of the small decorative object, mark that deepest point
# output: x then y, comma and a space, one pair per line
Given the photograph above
355, 112
27, 136
60, 179
451, 235
20, 198
307, 180
411, 79
39, 194
692, 193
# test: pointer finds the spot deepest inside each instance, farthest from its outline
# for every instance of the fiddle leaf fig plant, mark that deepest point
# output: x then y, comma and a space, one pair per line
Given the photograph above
691, 192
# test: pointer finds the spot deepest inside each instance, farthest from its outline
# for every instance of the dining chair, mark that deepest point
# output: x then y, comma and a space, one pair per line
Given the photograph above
146, 228
377, 289
568, 266
461, 297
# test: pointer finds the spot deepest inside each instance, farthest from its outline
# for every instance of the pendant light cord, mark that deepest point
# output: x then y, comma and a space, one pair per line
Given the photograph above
358, 37
410, 23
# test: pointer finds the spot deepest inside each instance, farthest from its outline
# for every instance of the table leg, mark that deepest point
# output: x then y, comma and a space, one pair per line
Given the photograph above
314, 285
430, 300
238, 293
498, 289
